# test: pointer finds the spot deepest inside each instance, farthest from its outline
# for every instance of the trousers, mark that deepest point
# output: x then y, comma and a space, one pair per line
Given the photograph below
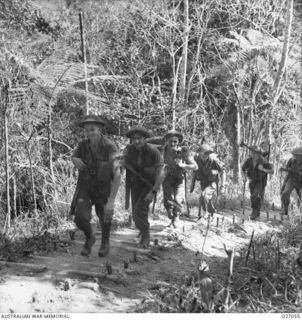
286, 192
140, 207
172, 194
91, 192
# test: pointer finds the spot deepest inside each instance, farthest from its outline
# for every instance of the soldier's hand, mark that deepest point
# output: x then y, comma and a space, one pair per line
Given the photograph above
79, 164
180, 163
149, 197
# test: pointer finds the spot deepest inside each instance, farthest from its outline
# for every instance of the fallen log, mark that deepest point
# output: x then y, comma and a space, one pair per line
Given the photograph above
78, 262
116, 278
34, 267
122, 245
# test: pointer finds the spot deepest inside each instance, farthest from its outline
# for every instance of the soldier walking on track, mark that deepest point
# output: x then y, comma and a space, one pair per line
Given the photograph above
145, 171
256, 167
99, 178
293, 178
209, 169
177, 159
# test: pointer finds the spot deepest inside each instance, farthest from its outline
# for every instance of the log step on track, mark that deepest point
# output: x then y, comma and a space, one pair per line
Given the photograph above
117, 278
34, 267
122, 245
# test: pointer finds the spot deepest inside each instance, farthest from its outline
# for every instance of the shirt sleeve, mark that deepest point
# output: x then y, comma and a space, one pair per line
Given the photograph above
126, 153
187, 156
289, 163
77, 152
157, 158
112, 151
216, 163
245, 165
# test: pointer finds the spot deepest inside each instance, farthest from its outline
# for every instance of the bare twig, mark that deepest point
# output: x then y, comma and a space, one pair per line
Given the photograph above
249, 248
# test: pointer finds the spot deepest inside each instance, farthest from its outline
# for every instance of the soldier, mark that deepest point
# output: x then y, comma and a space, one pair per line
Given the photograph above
293, 178
99, 178
209, 169
256, 168
145, 172
177, 159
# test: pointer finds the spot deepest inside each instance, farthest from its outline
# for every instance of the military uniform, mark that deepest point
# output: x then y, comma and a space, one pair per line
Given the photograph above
93, 188
257, 182
146, 162
293, 178
174, 178
208, 175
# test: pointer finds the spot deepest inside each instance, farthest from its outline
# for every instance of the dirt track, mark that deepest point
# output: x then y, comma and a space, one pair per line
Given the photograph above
57, 283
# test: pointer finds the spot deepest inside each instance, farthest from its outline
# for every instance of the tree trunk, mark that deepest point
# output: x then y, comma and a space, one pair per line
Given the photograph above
174, 88
50, 153
8, 209
84, 59
31, 177
14, 195
282, 67
237, 167
183, 71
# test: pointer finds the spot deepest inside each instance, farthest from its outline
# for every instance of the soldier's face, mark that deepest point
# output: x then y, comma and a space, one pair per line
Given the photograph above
255, 156
203, 155
138, 140
92, 131
173, 142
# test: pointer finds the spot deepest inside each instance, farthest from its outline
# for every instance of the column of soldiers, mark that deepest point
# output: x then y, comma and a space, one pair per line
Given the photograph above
147, 168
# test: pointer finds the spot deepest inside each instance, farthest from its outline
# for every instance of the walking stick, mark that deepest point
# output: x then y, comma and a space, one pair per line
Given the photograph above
186, 194
243, 196
154, 202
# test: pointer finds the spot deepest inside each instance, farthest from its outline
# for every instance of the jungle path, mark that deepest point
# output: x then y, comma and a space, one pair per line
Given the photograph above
65, 281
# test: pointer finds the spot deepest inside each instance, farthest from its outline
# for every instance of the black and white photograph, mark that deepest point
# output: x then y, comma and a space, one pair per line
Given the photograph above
150, 158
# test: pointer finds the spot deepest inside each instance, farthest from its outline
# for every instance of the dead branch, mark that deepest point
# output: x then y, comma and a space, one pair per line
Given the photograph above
249, 248
34, 267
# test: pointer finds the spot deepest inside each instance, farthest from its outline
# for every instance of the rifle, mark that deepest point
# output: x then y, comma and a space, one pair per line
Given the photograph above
186, 193
127, 192
287, 170
263, 155
193, 181
127, 166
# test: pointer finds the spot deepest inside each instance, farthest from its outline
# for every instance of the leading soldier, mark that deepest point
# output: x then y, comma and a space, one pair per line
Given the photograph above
99, 178
293, 178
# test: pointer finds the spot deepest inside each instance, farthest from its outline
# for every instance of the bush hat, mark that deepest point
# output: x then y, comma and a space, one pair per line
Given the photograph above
205, 148
174, 133
297, 151
256, 149
92, 119
138, 129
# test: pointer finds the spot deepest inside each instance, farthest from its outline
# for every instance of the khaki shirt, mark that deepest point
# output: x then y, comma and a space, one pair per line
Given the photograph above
146, 162
99, 164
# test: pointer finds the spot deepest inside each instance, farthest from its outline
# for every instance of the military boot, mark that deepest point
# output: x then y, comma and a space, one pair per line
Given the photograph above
104, 249
254, 214
170, 213
175, 221
88, 245
145, 240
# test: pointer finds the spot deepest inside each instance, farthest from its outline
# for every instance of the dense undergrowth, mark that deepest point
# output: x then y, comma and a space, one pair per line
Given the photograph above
268, 280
